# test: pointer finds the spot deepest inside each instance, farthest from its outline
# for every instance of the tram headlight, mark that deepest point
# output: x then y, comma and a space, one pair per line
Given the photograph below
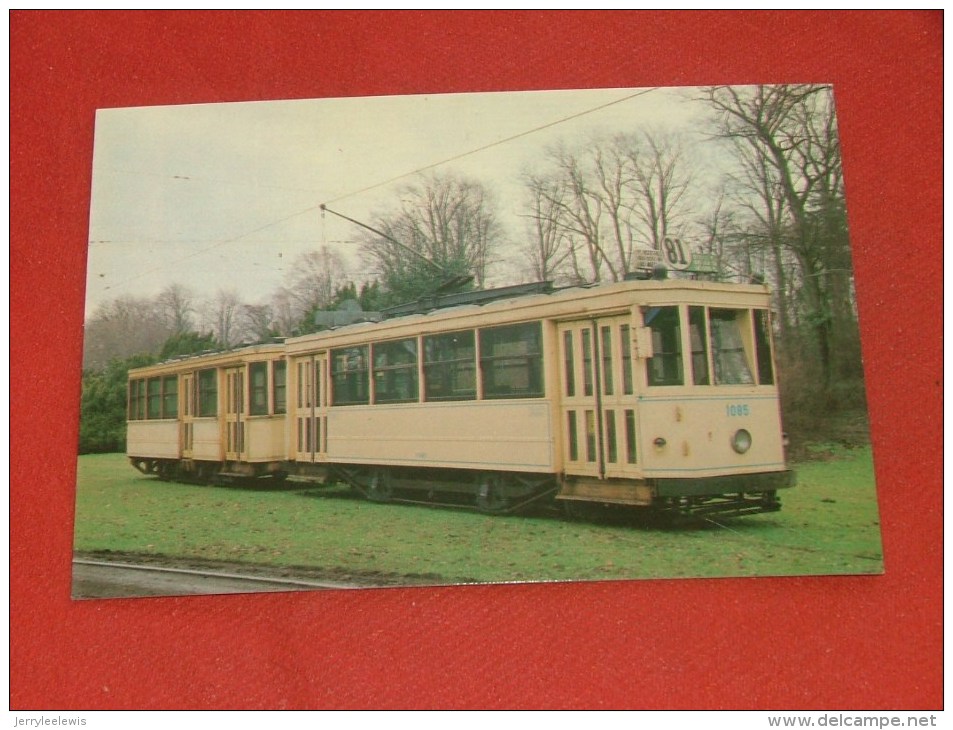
741, 441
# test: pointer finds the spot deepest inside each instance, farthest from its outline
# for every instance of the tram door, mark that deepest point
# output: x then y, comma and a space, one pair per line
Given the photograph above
235, 414
311, 415
187, 409
598, 398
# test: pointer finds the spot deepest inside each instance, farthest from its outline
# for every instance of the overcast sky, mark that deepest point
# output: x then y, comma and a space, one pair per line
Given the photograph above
226, 195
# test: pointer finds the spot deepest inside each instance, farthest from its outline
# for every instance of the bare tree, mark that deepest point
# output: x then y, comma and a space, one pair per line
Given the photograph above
176, 305
582, 217
722, 239
258, 321
547, 248
222, 317
660, 180
315, 277
121, 328
760, 195
792, 131
446, 226
606, 200
614, 180
285, 318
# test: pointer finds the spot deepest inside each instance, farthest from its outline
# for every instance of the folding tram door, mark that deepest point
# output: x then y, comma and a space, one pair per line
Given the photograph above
235, 447
187, 409
598, 398
311, 415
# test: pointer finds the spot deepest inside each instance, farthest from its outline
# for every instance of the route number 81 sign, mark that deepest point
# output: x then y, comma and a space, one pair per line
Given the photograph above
675, 254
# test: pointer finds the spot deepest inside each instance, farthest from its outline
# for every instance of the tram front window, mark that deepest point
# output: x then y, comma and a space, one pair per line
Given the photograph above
665, 365
727, 347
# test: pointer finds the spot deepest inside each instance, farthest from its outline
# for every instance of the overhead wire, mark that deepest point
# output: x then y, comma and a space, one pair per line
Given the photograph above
368, 188
491, 145
213, 246
217, 181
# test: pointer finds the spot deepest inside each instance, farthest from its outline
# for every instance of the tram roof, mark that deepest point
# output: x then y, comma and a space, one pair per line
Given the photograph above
532, 300
520, 297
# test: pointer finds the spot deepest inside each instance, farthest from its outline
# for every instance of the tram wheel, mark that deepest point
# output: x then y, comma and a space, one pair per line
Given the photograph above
204, 473
571, 509
380, 487
585, 511
491, 498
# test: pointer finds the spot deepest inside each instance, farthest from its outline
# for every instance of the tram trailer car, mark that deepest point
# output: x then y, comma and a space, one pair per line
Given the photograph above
210, 416
653, 393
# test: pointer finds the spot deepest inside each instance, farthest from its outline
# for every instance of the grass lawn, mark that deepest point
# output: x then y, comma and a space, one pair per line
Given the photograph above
828, 525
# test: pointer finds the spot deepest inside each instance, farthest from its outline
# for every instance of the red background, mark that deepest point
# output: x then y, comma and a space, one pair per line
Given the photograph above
794, 643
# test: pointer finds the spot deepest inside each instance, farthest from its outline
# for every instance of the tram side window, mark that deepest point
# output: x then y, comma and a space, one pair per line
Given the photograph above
762, 337
625, 338
141, 400
279, 385
154, 398
258, 388
727, 347
511, 362
450, 366
170, 396
665, 365
699, 340
208, 393
350, 377
131, 411
569, 365
137, 396
395, 372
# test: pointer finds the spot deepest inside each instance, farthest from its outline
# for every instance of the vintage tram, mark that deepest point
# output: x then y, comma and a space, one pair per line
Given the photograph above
648, 393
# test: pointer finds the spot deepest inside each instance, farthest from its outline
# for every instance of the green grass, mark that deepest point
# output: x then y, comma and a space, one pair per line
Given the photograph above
828, 525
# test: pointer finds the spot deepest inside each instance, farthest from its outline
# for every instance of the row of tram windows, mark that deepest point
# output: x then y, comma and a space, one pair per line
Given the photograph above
154, 398
157, 398
489, 363
727, 346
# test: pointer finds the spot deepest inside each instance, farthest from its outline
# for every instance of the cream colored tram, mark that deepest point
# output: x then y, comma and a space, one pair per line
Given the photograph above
219, 415
654, 393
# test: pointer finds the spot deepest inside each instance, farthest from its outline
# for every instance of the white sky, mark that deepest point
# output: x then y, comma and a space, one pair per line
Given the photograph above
226, 195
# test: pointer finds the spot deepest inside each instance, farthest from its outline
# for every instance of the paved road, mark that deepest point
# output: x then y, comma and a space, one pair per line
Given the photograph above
92, 579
